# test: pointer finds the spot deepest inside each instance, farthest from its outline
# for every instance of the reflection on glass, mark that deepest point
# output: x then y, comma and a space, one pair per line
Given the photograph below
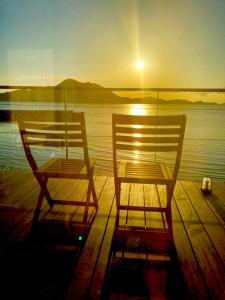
136, 155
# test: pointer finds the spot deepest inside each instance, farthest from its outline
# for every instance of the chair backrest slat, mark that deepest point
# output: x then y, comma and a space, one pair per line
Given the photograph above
58, 135
147, 130
50, 126
148, 134
54, 143
147, 120
147, 139
39, 130
52, 129
146, 148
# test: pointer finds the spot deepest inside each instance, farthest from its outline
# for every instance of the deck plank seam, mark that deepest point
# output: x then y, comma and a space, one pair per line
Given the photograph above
193, 251
100, 248
205, 229
212, 210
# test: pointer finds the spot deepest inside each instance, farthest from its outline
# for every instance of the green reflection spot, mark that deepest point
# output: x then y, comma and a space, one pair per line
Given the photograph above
80, 238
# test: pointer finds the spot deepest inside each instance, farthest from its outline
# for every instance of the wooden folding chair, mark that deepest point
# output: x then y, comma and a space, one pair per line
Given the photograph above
64, 129
147, 139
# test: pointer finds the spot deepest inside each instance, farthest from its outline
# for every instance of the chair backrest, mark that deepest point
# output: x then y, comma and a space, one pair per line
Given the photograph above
148, 134
52, 129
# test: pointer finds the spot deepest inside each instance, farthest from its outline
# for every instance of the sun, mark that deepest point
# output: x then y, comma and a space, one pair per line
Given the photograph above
139, 64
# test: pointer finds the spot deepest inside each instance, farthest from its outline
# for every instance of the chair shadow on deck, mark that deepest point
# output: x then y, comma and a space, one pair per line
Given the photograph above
41, 263
138, 278
139, 269
37, 272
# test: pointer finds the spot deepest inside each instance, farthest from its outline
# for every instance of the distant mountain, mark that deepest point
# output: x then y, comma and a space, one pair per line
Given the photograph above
72, 83
79, 92
75, 92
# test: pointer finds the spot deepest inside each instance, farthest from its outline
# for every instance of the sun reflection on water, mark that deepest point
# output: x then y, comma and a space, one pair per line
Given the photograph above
138, 109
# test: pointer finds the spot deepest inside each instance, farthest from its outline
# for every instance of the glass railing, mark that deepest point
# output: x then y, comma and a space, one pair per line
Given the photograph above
204, 143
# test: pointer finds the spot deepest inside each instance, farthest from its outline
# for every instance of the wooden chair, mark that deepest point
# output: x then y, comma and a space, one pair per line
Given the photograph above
64, 129
148, 136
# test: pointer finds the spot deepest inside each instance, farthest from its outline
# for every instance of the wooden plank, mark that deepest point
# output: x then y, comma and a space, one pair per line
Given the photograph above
207, 256
13, 187
194, 240
219, 191
215, 204
101, 266
213, 228
21, 211
194, 280
62, 190
99, 183
80, 283
153, 219
63, 223
158, 281
124, 200
6, 175
136, 218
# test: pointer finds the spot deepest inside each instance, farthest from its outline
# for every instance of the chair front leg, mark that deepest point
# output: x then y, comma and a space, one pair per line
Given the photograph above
117, 192
169, 190
87, 202
43, 184
93, 192
38, 208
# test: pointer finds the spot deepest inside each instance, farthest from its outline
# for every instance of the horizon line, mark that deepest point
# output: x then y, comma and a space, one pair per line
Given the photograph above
219, 90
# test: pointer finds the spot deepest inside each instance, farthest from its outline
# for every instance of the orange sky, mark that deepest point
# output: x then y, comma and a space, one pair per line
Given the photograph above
181, 43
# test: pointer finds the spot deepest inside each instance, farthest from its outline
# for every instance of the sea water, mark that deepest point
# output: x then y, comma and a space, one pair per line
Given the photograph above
204, 143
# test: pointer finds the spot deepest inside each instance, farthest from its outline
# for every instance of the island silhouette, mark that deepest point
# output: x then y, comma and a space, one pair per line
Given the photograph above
73, 91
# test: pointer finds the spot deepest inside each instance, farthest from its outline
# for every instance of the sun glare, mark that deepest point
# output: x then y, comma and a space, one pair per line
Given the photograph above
139, 65
138, 109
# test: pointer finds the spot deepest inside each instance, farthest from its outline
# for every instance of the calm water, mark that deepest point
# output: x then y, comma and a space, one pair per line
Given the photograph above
204, 144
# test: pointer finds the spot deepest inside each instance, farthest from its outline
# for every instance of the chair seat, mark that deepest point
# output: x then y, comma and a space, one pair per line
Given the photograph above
148, 172
61, 167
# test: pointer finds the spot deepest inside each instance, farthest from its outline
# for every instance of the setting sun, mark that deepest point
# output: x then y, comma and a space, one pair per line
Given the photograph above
139, 65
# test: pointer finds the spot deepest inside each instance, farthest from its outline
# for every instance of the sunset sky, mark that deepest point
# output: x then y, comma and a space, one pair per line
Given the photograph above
181, 42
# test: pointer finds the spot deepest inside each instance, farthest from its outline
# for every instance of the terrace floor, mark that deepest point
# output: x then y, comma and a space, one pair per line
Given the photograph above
66, 258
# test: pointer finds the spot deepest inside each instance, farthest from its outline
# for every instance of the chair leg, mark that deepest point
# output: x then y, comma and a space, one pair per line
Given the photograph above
43, 184
117, 192
169, 190
93, 192
87, 202
38, 208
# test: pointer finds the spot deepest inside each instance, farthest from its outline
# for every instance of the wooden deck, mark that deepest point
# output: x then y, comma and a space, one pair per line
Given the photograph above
66, 259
